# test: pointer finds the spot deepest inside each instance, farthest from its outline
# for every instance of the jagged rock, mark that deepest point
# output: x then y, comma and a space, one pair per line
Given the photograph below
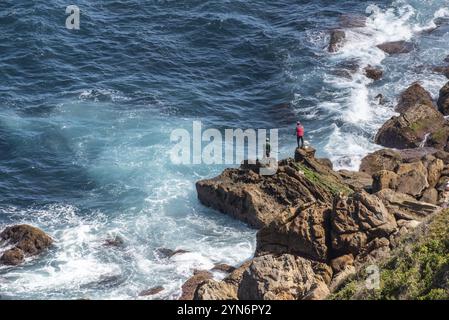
385, 159
385, 179
409, 129
26, 241
443, 100
302, 232
337, 40
191, 285
373, 73
223, 267
357, 180
270, 277
396, 47
412, 96
430, 196
151, 292
258, 200
405, 207
357, 220
339, 264
222, 290
412, 178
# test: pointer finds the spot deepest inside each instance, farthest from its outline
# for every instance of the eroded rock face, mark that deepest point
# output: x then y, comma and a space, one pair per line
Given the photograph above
396, 47
337, 40
385, 179
412, 178
302, 233
270, 277
356, 221
443, 100
26, 241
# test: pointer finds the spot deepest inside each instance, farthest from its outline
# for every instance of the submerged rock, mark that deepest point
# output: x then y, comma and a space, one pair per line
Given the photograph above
444, 70
168, 253
223, 267
373, 73
336, 41
151, 292
396, 47
26, 240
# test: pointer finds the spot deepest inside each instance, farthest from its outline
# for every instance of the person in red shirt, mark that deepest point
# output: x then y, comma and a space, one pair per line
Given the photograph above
300, 134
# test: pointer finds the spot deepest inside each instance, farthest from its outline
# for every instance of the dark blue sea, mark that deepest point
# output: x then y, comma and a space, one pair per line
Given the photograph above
86, 117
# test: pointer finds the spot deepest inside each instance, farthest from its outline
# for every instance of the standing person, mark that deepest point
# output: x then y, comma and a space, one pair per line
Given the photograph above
300, 134
267, 148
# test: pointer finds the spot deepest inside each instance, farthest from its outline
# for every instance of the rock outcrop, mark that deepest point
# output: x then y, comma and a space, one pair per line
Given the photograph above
396, 47
258, 200
337, 39
24, 241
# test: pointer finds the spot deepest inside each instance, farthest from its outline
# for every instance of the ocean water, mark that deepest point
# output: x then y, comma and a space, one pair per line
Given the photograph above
86, 117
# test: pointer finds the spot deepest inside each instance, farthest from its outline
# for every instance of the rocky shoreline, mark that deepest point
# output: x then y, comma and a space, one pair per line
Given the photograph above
318, 227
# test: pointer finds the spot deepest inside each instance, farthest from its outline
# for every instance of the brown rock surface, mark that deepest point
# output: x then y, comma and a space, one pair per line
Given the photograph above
443, 100
396, 47
191, 285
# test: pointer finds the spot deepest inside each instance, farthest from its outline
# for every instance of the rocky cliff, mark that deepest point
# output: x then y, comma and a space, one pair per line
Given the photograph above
318, 227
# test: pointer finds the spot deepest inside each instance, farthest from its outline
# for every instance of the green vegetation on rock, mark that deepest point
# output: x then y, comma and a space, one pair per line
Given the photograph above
417, 270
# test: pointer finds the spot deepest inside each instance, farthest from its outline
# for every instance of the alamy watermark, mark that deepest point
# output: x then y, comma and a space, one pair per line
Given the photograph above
73, 20
235, 146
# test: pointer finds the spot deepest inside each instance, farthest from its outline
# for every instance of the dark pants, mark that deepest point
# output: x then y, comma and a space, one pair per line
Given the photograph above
298, 138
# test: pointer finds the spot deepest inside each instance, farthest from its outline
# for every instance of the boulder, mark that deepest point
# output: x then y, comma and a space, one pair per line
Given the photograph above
191, 285
319, 291
340, 278
337, 39
430, 196
385, 179
357, 220
405, 207
396, 47
412, 96
25, 240
412, 178
301, 232
411, 128
222, 290
270, 277
385, 159
443, 100
169, 253
373, 73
